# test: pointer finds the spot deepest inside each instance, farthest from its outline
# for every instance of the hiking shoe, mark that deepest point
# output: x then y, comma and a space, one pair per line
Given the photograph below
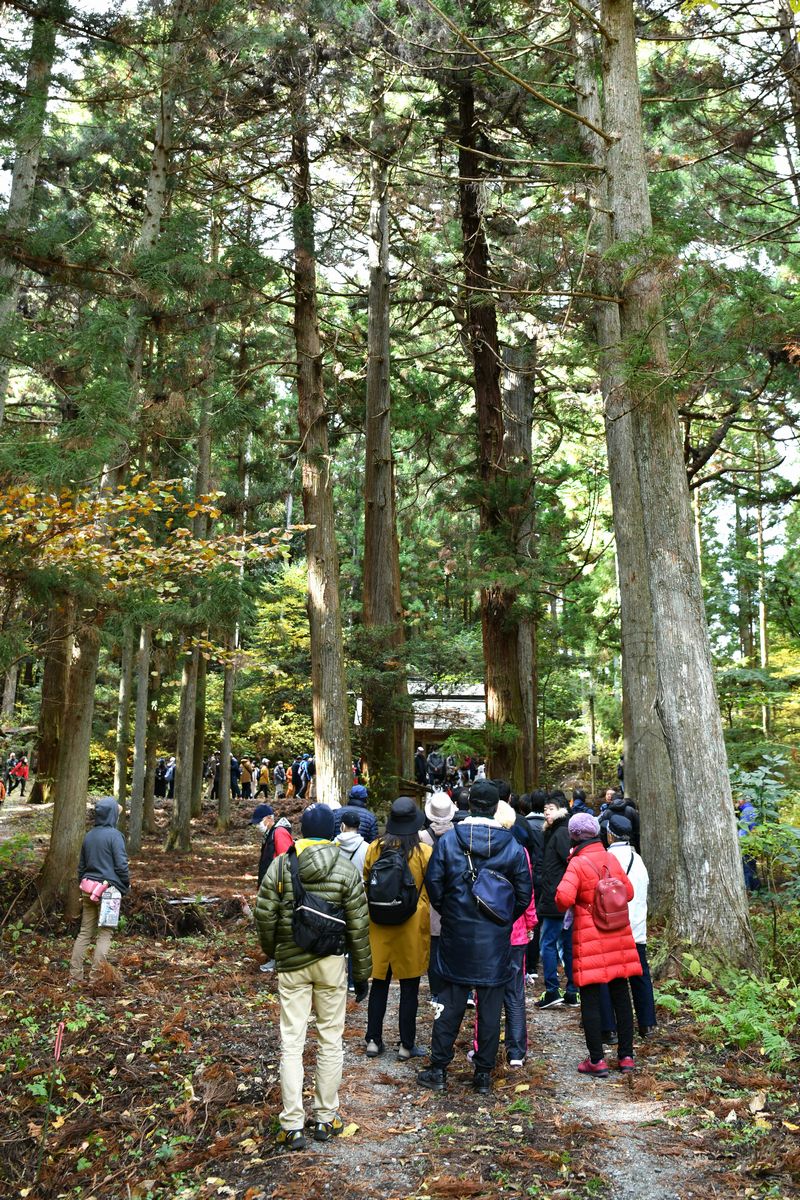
482, 1083
292, 1139
433, 1078
549, 1000
609, 1036
600, 1069
626, 1065
646, 1031
267, 966
572, 999
404, 1054
325, 1130
374, 1049
516, 1062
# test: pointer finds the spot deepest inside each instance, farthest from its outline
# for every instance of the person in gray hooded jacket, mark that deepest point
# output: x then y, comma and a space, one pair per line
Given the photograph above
103, 859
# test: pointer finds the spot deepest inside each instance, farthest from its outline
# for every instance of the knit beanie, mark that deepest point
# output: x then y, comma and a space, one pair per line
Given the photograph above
317, 822
583, 826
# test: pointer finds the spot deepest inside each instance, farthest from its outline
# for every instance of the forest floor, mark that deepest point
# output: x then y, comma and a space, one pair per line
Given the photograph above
167, 1086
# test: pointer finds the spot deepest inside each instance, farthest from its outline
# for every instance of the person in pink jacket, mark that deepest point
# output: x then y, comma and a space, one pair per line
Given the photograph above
598, 956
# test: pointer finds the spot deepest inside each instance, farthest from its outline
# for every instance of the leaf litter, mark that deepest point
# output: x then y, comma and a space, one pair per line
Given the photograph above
167, 1088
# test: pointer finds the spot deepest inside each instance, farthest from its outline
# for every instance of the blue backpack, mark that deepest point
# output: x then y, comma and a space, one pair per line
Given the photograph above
492, 892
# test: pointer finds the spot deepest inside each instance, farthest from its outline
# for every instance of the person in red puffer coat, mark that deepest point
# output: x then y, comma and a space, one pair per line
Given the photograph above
599, 956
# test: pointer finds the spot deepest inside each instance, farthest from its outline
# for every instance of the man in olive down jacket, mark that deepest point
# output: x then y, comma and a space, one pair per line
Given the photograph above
305, 980
472, 951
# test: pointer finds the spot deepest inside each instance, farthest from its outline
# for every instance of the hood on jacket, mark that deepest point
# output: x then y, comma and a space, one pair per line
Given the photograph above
482, 837
106, 812
349, 838
317, 861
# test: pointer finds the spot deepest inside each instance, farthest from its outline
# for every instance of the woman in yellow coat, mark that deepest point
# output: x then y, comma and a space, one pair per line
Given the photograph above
399, 950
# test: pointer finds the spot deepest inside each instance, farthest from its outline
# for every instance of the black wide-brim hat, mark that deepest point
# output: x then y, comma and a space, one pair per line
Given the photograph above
404, 817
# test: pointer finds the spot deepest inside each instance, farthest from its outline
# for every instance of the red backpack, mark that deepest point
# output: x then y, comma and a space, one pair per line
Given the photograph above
609, 908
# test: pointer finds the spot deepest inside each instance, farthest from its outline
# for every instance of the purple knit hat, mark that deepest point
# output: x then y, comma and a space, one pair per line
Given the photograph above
582, 827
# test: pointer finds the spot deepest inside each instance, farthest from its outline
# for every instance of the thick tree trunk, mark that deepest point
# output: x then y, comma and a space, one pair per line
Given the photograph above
329, 692
30, 126
55, 674
518, 376
179, 836
123, 739
648, 773
709, 906
504, 710
387, 725
57, 879
9, 700
136, 818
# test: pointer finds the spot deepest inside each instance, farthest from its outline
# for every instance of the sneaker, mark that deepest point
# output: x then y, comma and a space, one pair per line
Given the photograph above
600, 1069
374, 1049
404, 1054
325, 1130
531, 977
646, 1031
572, 999
549, 1000
470, 1055
609, 1037
434, 1078
482, 1083
270, 966
626, 1065
292, 1139
471, 1000
516, 1062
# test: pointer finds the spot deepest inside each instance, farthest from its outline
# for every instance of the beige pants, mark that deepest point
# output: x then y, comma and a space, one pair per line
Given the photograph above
322, 984
89, 932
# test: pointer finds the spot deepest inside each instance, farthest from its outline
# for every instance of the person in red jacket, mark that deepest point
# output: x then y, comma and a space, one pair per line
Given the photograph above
19, 775
598, 956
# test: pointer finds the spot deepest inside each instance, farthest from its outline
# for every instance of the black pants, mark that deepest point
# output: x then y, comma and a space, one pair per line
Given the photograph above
591, 1014
453, 998
376, 1009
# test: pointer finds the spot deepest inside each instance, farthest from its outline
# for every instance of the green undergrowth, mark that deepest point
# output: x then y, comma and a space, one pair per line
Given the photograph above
737, 1009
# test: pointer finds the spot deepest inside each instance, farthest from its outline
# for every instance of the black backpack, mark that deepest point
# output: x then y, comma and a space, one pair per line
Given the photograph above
392, 893
318, 927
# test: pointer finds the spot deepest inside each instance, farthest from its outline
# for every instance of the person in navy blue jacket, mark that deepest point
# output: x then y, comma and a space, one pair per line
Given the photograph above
368, 822
473, 951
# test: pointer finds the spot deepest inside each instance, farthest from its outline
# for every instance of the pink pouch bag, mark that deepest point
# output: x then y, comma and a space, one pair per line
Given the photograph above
93, 889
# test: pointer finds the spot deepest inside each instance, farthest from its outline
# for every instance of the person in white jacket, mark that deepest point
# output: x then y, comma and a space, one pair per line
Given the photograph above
619, 833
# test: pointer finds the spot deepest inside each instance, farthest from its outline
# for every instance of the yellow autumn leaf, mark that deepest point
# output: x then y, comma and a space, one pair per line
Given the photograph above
349, 1130
522, 1087
789, 1125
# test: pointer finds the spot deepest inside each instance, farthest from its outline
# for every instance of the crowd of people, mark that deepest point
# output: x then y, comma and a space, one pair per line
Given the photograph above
479, 889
